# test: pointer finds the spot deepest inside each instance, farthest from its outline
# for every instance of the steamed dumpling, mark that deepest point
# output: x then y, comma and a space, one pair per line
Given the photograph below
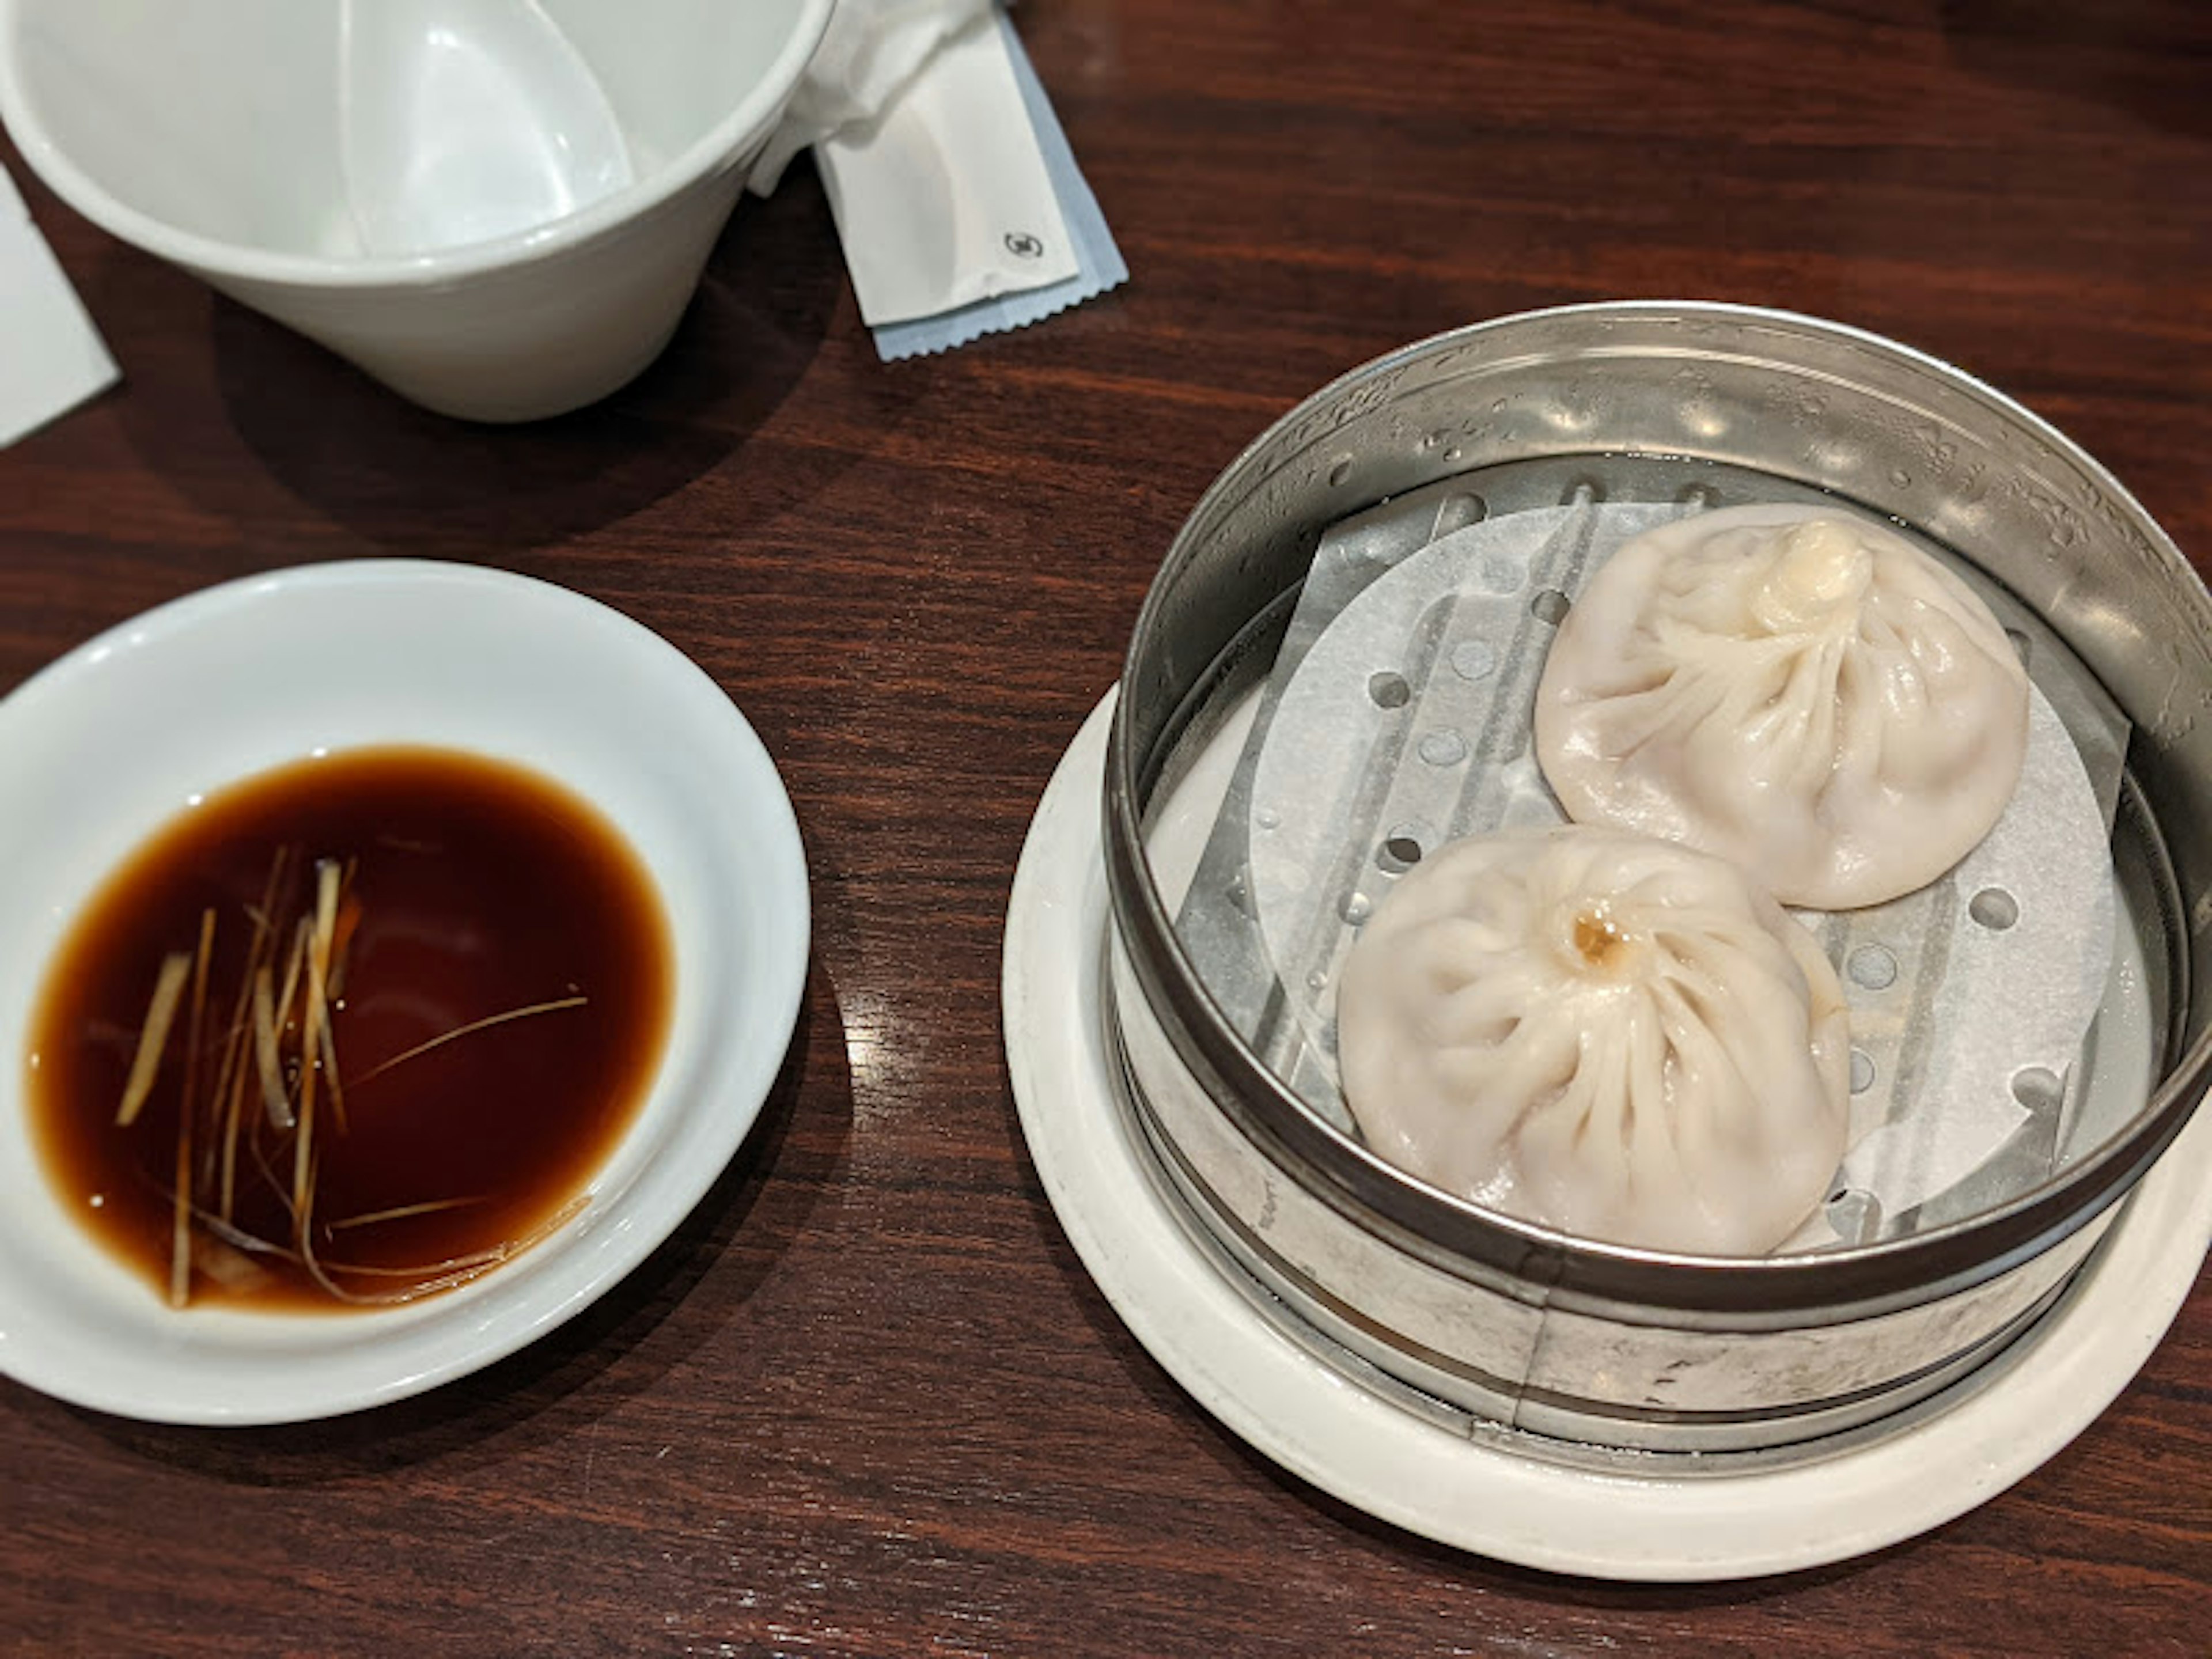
1796, 689
1613, 1036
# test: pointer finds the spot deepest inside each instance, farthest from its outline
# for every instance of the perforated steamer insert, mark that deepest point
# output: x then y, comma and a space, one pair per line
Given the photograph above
1333, 676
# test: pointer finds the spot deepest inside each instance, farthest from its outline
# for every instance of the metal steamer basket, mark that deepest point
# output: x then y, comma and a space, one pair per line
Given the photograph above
1570, 422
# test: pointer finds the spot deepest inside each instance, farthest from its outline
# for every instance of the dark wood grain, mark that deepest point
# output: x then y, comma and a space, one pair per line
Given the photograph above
866, 1400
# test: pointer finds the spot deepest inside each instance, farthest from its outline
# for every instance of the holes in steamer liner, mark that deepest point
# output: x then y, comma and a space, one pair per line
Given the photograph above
1995, 908
1399, 852
1473, 660
1441, 747
1550, 605
1389, 690
1872, 968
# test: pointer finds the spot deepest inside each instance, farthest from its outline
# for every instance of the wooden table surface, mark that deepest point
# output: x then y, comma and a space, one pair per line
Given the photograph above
866, 1400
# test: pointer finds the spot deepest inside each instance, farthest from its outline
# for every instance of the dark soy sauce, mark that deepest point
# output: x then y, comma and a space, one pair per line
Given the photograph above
477, 889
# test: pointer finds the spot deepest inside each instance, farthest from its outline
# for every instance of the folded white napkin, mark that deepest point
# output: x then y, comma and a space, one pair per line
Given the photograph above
871, 51
51, 356
958, 200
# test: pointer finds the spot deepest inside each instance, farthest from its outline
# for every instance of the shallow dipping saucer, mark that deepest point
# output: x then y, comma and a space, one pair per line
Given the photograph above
103, 747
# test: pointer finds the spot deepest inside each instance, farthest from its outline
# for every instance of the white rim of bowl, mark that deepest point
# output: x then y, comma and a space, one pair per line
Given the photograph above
185, 247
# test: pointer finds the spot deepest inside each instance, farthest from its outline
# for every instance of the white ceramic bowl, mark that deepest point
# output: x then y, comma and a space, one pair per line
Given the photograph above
113, 741
498, 208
